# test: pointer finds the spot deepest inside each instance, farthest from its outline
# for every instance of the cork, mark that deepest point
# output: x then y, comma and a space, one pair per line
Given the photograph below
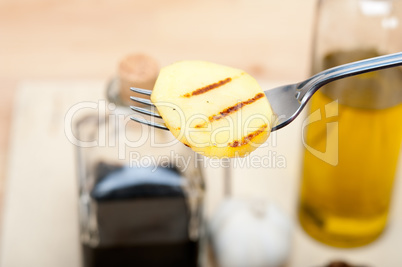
136, 70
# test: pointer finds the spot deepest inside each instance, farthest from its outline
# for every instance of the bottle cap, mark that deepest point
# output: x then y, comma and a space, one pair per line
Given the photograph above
136, 70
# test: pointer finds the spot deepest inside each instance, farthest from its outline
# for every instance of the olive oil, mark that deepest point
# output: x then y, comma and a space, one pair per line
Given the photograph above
345, 202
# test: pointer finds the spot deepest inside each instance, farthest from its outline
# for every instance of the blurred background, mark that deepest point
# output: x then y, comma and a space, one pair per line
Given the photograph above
47, 40
49, 47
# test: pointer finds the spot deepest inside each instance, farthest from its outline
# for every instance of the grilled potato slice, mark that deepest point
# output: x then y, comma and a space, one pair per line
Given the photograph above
216, 110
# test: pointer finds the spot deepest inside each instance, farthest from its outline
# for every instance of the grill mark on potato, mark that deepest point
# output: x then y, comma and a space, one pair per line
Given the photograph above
246, 139
209, 87
231, 109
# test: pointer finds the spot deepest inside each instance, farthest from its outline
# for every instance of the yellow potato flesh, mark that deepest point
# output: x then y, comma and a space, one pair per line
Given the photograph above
216, 110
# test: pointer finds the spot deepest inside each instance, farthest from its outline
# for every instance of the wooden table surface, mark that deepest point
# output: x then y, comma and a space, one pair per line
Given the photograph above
72, 39
40, 209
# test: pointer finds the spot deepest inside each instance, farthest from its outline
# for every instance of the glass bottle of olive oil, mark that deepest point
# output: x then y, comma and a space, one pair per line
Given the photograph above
346, 188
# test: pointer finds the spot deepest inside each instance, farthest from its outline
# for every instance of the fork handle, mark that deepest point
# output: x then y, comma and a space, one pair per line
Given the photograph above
309, 87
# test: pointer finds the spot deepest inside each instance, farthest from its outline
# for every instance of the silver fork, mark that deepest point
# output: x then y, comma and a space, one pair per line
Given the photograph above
287, 101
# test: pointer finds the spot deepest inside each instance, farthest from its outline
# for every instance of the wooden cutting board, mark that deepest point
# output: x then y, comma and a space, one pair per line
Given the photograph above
40, 212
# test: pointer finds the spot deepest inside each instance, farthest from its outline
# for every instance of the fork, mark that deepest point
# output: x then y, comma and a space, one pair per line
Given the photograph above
287, 101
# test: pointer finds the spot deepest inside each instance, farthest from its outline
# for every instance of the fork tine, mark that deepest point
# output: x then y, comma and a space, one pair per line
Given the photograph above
142, 100
141, 91
150, 123
146, 111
